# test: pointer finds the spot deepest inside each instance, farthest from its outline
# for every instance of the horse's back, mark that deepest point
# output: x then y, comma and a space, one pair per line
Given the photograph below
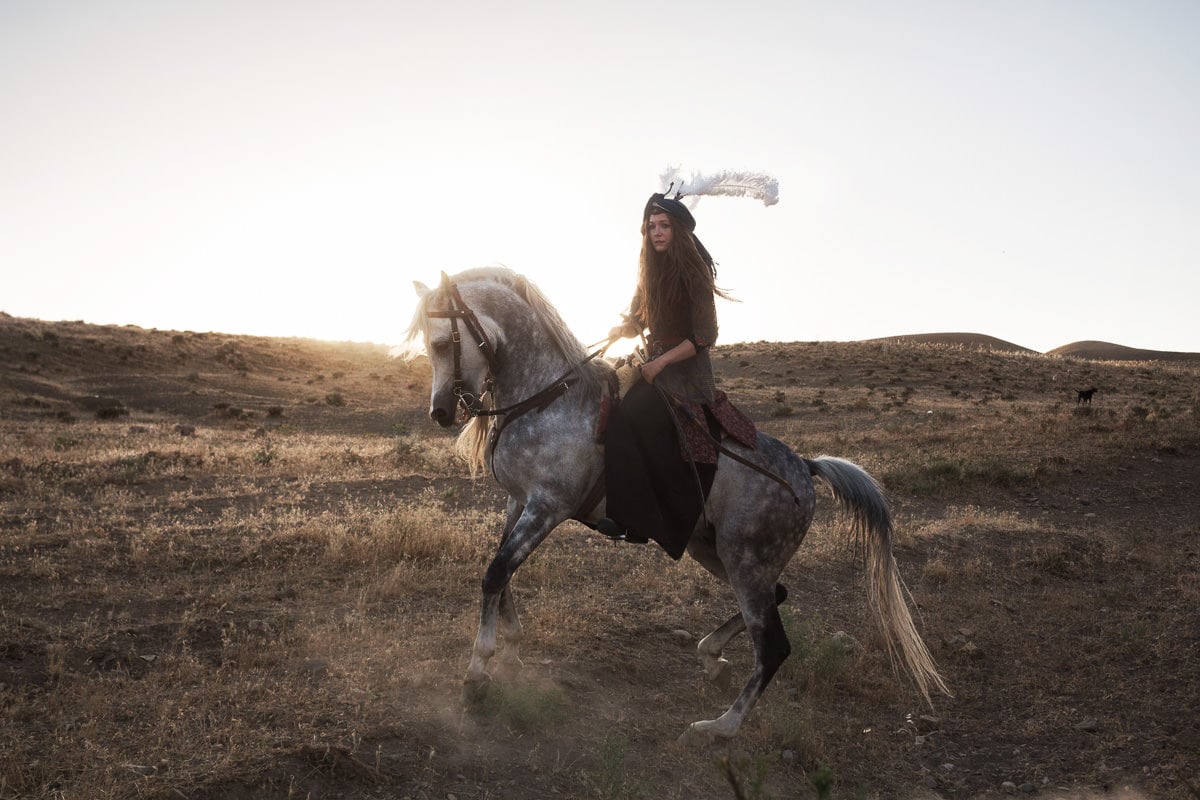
756, 504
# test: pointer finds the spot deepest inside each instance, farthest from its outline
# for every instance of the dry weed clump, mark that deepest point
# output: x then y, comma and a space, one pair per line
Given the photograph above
355, 537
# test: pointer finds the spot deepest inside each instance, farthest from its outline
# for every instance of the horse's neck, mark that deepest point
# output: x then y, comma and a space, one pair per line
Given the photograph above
531, 363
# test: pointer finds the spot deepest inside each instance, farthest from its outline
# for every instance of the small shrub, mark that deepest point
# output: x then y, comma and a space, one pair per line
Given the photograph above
112, 412
816, 657
227, 410
335, 399
611, 775
746, 776
1053, 562
1137, 413
940, 476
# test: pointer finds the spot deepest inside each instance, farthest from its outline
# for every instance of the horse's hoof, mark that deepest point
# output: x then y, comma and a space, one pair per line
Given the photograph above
695, 736
509, 668
475, 690
720, 672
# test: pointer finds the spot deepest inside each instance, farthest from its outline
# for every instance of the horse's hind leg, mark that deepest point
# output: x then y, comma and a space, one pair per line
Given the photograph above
712, 647
771, 648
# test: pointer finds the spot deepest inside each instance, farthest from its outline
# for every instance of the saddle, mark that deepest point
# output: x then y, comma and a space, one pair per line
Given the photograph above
723, 419
628, 371
703, 428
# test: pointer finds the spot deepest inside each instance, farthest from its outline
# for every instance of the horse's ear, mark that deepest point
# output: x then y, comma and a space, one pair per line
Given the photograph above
422, 289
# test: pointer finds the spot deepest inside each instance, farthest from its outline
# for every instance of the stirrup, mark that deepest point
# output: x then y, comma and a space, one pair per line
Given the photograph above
611, 528
617, 532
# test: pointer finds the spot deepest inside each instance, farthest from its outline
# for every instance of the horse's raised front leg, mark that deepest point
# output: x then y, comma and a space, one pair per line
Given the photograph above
525, 528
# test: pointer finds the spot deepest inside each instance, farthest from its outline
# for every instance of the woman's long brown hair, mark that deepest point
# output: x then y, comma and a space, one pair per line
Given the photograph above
665, 279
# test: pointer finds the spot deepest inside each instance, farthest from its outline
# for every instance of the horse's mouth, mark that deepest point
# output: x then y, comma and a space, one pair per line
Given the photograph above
443, 417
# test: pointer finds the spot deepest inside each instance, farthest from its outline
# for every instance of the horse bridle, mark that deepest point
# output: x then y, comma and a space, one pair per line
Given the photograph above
458, 310
471, 403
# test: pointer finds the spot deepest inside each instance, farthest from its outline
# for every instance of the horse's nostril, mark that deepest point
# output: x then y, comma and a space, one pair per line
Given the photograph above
437, 414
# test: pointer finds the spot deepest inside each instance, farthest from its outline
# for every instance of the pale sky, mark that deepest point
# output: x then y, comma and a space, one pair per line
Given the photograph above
1026, 169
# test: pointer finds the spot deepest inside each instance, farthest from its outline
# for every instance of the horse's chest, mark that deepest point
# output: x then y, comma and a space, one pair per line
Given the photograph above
524, 454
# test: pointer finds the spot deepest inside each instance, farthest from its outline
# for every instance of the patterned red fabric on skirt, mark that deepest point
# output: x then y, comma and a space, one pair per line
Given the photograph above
736, 424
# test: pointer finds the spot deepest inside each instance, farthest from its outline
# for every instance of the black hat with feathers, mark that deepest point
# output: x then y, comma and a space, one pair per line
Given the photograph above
731, 184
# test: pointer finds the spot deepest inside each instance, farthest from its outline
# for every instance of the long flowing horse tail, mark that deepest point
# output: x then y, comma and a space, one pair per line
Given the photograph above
861, 497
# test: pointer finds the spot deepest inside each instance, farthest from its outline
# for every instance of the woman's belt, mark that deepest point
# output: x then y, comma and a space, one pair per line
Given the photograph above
661, 344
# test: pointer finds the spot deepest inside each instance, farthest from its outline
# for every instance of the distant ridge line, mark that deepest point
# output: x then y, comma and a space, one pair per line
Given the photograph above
1089, 349
973, 341
1107, 351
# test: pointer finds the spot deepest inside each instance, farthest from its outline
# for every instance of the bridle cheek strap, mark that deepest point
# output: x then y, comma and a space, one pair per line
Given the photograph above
459, 310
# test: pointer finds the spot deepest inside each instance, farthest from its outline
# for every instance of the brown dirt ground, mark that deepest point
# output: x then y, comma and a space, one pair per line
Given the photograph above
1070, 637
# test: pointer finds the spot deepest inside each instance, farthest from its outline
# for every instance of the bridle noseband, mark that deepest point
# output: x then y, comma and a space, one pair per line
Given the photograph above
470, 402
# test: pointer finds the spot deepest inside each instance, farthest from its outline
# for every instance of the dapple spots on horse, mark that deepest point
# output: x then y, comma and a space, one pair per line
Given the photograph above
548, 461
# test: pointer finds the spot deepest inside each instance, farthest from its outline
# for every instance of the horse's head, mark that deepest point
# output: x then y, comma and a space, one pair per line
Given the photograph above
469, 322
461, 350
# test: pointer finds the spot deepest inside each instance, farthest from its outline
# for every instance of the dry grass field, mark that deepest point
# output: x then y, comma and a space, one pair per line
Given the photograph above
235, 567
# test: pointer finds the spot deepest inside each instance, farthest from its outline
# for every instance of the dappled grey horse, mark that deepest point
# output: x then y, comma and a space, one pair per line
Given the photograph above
501, 354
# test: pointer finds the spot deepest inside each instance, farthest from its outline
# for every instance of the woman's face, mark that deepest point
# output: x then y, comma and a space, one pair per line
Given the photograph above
660, 231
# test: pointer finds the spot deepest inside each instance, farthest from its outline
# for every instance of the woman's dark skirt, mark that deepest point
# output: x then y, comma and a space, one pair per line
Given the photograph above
651, 487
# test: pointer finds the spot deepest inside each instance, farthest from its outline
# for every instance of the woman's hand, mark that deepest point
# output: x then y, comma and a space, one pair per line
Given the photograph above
651, 369
626, 331
680, 352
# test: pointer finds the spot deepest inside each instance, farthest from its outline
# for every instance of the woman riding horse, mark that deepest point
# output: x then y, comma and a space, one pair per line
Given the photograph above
659, 464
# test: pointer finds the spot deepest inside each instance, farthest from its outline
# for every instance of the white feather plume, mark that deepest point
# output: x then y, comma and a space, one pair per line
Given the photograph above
728, 182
